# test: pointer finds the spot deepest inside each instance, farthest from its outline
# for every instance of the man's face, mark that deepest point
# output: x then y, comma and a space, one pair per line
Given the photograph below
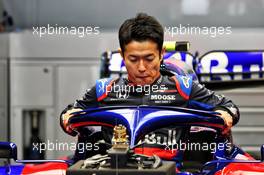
142, 61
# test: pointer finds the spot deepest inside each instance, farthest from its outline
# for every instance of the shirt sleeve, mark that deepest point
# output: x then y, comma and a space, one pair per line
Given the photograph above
203, 98
88, 100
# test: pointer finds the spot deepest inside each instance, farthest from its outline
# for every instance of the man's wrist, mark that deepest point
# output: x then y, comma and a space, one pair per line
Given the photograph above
228, 119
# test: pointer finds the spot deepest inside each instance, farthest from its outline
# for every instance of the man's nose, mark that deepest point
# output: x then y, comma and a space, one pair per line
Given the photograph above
141, 67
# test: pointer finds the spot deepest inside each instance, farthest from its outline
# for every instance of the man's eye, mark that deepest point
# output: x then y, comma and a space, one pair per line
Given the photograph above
150, 58
132, 59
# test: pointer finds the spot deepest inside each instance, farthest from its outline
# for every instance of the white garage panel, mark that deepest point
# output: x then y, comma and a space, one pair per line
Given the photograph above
31, 85
245, 97
72, 82
251, 117
3, 124
249, 136
3, 83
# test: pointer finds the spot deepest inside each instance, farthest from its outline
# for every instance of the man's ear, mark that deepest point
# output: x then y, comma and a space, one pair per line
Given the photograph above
163, 50
121, 53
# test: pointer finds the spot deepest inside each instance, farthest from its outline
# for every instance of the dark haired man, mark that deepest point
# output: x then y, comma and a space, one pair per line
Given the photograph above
141, 43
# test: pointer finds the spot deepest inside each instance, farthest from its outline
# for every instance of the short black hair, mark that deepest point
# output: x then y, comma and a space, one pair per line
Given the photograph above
141, 28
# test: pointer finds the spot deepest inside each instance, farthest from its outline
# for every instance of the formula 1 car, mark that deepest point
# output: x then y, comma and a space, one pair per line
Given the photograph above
130, 124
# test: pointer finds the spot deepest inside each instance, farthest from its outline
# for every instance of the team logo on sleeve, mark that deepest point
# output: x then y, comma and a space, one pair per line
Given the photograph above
102, 84
185, 80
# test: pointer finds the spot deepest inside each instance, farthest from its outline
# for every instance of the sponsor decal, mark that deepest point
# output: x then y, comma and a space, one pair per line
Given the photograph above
168, 139
163, 97
122, 94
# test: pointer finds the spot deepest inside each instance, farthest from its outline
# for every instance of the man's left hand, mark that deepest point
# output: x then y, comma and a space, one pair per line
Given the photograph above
227, 119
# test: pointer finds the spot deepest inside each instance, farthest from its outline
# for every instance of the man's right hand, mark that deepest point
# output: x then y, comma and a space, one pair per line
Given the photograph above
66, 116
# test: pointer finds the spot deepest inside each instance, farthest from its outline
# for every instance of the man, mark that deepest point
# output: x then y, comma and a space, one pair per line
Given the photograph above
141, 43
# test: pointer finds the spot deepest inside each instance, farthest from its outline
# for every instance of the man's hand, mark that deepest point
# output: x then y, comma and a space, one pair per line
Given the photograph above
67, 116
227, 119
